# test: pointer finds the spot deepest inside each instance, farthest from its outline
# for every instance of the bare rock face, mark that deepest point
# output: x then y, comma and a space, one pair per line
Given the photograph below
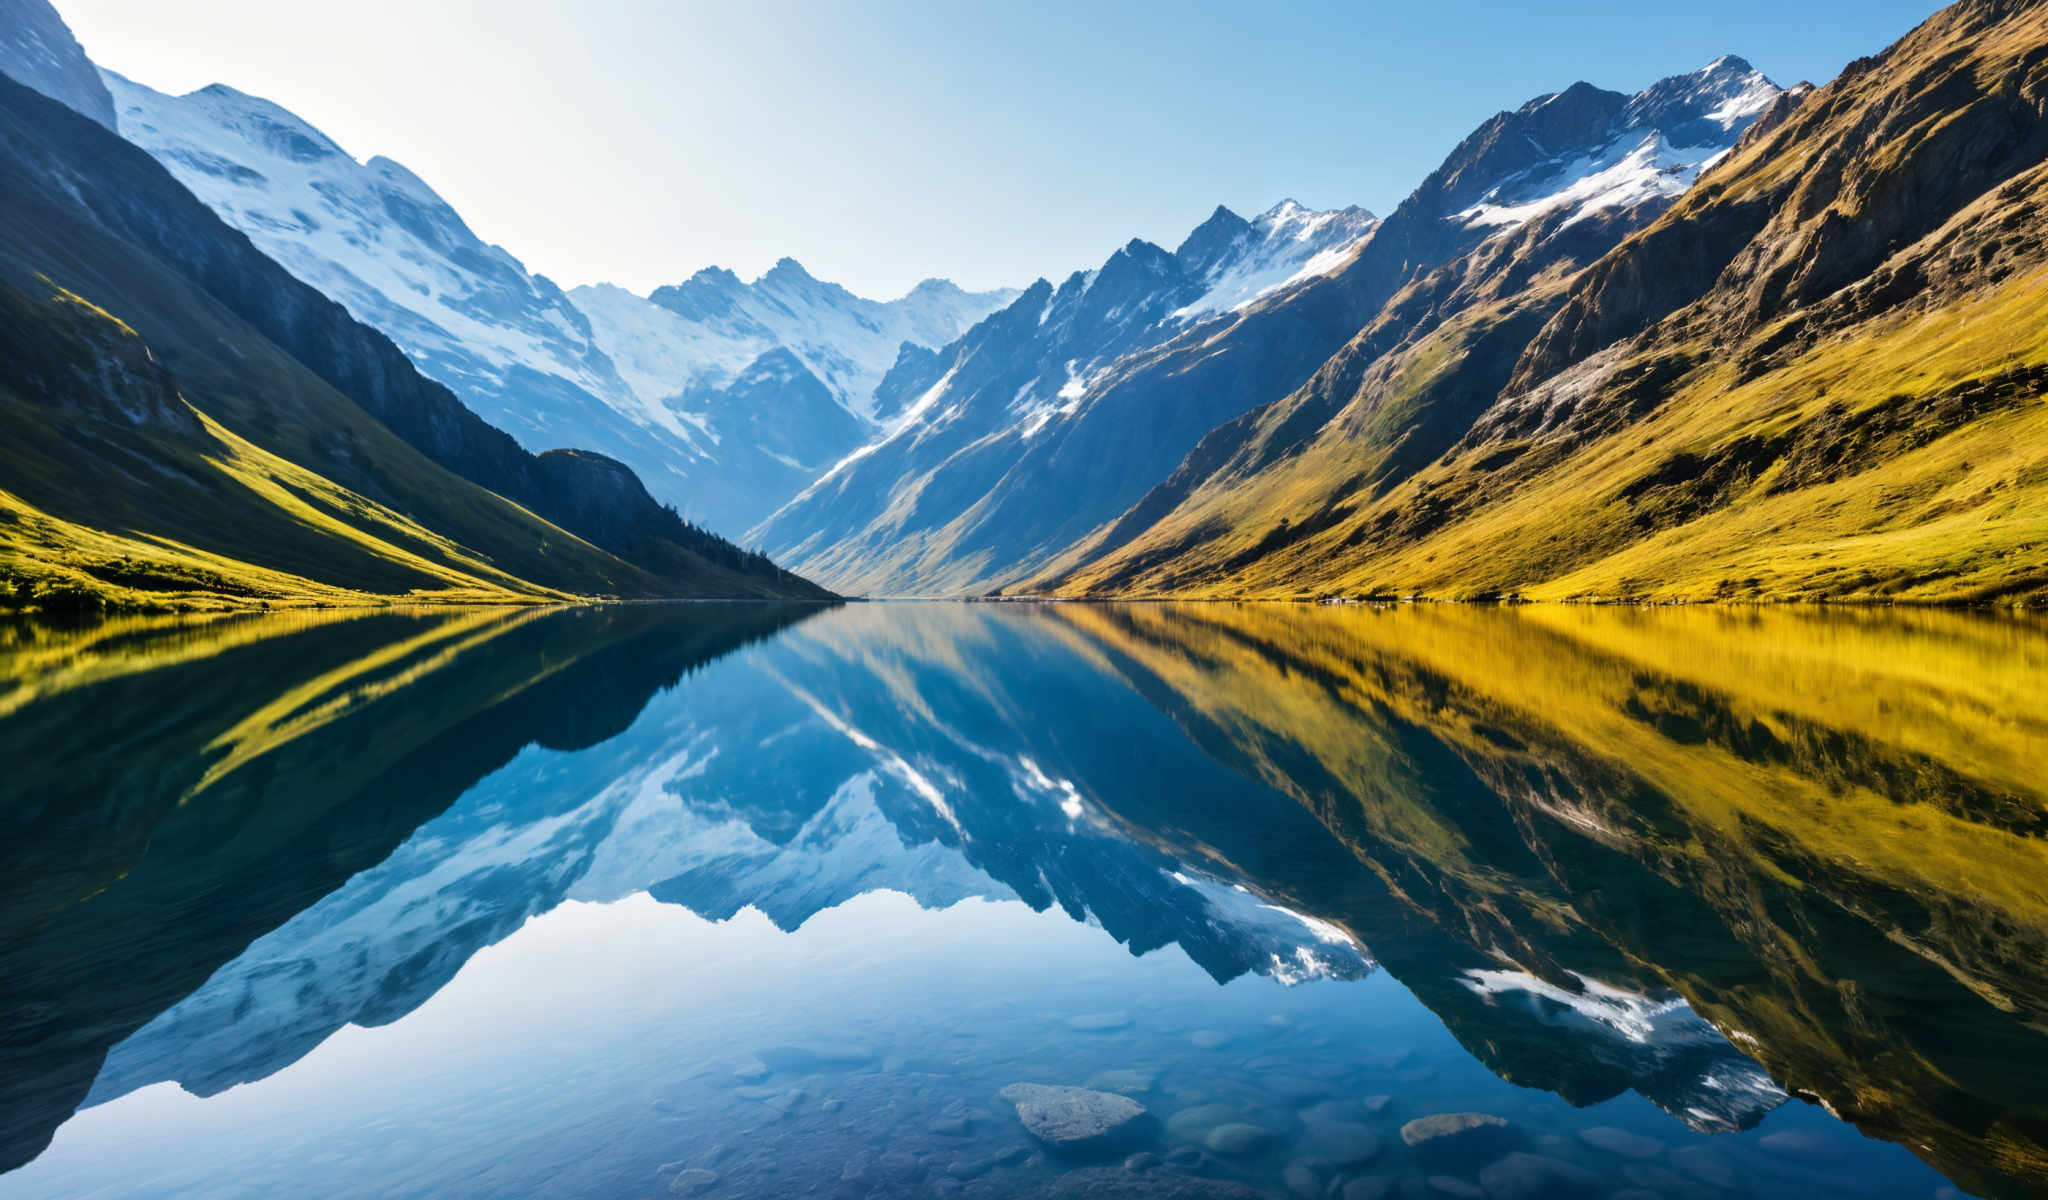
1076, 1120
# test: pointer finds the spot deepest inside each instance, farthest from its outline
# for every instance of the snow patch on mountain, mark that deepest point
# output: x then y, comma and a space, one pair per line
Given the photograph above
1283, 246
702, 332
1663, 139
374, 237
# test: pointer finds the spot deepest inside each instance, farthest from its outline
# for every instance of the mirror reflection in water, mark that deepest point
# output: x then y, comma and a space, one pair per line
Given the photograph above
1009, 900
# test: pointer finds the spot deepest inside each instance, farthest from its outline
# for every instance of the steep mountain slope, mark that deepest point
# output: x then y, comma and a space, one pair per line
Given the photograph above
1024, 452
741, 367
515, 348
375, 237
993, 418
187, 417
1816, 376
37, 49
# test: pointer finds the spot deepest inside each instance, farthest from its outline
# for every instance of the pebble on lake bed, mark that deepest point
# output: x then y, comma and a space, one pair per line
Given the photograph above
1622, 1142
1536, 1177
1453, 1131
1237, 1139
1073, 1119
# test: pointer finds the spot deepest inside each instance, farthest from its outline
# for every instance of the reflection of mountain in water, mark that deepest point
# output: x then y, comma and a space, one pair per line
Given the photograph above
1823, 831
813, 772
185, 787
1589, 841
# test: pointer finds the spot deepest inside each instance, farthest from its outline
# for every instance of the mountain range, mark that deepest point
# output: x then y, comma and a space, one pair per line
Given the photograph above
1714, 339
667, 384
189, 423
1815, 375
1059, 416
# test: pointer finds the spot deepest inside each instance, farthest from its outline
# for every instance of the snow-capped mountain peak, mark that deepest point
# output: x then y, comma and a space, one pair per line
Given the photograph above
1624, 151
1283, 245
701, 333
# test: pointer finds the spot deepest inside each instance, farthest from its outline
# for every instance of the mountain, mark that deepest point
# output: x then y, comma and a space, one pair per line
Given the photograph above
702, 332
740, 367
601, 369
1813, 377
188, 421
1043, 439
37, 49
1022, 434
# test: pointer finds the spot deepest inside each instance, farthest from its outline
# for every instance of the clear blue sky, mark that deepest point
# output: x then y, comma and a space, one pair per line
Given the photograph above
889, 140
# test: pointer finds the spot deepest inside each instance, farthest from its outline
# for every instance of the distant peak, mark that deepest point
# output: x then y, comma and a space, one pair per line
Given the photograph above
1733, 64
714, 276
787, 268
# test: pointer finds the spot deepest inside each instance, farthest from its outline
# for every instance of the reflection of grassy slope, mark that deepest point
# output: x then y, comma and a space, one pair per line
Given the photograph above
197, 781
1852, 797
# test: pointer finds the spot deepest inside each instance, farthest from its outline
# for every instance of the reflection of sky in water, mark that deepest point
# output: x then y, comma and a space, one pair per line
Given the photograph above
598, 1045
798, 922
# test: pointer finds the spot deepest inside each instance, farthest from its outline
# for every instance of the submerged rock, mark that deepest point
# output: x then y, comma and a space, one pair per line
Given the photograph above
1456, 1188
693, 1181
1302, 1180
1536, 1177
1193, 1124
1622, 1142
975, 1168
1076, 1120
1460, 1132
1114, 1183
1209, 1039
1237, 1139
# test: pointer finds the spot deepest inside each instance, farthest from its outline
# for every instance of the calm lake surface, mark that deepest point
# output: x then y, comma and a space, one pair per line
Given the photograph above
736, 901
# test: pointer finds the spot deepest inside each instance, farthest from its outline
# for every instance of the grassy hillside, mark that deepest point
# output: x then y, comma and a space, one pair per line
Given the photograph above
164, 451
1819, 376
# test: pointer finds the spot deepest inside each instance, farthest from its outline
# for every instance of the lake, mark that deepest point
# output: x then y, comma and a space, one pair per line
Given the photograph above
995, 900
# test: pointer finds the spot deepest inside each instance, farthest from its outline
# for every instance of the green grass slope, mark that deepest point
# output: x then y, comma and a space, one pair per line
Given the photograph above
1819, 376
163, 451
